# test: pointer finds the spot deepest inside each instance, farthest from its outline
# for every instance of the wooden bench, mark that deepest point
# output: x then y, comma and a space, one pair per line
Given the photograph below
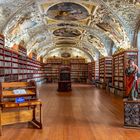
12, 111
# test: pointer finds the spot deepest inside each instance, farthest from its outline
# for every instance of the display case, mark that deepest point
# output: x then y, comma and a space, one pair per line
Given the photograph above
64, 83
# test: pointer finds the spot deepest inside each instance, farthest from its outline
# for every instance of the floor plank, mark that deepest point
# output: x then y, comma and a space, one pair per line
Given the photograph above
85, 113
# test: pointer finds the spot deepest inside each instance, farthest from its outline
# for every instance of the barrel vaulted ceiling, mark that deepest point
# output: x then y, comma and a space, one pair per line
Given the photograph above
85, 27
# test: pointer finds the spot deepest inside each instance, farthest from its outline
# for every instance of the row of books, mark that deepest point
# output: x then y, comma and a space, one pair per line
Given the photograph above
105, 69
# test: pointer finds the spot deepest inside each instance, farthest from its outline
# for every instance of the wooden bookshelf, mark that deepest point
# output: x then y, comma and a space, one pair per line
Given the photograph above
79, 72
52, 70
120, 63
96, 70
2, 41
90, 71
17, 67
79, 69
54, 60
93, 71
105, 70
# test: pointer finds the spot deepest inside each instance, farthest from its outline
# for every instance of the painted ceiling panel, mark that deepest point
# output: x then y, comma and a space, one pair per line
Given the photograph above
89, 25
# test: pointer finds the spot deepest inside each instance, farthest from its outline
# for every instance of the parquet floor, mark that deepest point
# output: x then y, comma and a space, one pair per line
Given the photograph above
86, 113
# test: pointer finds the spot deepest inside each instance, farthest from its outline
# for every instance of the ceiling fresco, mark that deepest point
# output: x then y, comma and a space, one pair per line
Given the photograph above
67, 11
67, 32
90, 25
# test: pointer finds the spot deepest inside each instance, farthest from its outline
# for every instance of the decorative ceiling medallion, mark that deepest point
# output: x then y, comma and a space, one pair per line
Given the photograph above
67, 11
67, 32
66, 55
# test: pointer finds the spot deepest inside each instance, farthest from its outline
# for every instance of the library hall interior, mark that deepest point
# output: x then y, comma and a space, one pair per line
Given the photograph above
70, 69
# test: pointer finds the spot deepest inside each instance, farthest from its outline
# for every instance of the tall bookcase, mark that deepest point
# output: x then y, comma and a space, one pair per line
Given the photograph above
52, 71
105, 69
79, 72
120, 63
17, 67
96, 74
52, 66
95, 70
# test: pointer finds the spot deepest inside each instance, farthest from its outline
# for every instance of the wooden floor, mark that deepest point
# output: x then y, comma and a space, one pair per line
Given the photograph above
86, 113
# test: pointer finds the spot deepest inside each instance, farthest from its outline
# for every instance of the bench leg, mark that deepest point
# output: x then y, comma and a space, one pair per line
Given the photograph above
36, 123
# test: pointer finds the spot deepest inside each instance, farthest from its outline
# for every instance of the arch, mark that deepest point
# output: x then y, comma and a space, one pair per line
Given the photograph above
92, 30
53, 48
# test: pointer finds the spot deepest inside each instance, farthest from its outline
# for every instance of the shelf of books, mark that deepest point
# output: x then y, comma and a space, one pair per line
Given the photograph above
120, 63
95, 70
105, 70
79, 69
90, 71
52, 66
16, 66
79, 72
52, 71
